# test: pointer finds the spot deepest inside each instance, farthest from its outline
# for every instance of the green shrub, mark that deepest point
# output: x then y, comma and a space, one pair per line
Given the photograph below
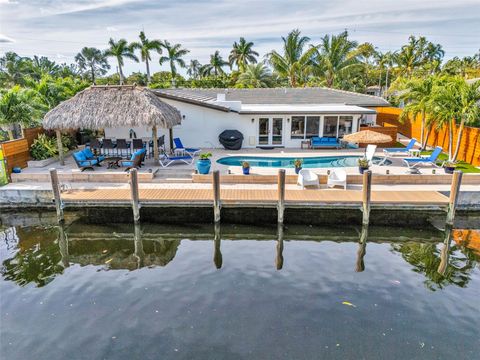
44, 147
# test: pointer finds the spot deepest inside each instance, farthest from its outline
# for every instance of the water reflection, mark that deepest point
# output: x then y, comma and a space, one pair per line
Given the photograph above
217, 253
445, 252
137, 238
362, 249
279, 257
63, 244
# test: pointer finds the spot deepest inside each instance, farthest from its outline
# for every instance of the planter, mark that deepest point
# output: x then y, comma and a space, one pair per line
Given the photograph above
46, 162
297, 169
203, 166
246, 170
449, 169
362, 169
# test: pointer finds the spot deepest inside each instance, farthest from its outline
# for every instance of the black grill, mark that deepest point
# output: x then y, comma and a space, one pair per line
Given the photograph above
231, 139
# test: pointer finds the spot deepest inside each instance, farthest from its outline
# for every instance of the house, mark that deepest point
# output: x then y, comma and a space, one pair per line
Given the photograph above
274, 117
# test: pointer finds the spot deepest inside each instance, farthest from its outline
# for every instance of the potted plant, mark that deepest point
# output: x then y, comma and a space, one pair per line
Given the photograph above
298, 165
449, 167
204, 163
363, 165
246, 168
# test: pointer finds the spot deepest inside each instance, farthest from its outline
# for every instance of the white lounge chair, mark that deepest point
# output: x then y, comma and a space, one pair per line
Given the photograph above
307, 178
337, 177
166, 160
369, 152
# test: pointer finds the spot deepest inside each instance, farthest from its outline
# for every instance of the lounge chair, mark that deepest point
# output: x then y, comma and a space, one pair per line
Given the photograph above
166, 160
389, 152
325, 142
190, 151
135, 161
425, 160
337, 177
370, 152
91, 156
307, 178
82, 162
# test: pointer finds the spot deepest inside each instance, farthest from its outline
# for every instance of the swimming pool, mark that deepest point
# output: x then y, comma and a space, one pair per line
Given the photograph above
287, 162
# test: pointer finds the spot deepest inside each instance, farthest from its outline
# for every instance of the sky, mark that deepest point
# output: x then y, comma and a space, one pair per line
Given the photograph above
59, 29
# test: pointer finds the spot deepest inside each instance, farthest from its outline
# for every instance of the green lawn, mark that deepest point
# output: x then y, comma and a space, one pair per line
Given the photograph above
461, 165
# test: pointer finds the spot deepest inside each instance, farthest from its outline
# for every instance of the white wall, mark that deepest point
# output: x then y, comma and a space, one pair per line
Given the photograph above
201, 127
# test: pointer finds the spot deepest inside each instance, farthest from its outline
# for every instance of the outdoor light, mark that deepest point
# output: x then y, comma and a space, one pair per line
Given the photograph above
387, 172
183, 117
253, 120
433, 171
328, 172
288, 120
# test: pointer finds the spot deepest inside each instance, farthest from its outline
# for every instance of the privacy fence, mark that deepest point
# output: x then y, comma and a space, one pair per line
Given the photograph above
469, 145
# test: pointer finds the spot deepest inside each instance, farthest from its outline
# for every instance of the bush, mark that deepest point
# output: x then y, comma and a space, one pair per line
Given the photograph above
44, 147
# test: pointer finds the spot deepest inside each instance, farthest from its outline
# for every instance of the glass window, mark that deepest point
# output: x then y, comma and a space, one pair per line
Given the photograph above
313, 126
298, 127
345, 125
330, 126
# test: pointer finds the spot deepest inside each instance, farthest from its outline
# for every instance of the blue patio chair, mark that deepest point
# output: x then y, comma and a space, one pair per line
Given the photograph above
429, 160
190, 151
166, 160
82, 162
135, 160
91, 156
389, 152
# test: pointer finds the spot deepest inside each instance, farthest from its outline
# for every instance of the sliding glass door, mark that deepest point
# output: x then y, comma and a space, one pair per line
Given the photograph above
270, 131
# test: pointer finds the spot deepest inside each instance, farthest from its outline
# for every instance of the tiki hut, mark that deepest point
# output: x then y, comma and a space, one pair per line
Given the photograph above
368, 137
98, 107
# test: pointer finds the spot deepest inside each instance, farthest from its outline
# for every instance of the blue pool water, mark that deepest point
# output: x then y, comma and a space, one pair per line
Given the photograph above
287, 162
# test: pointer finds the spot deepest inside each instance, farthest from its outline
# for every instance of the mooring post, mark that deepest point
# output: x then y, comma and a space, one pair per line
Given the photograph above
281, 195
362, 249
454, 190
216, 195
56, 194
366, 196
135, 196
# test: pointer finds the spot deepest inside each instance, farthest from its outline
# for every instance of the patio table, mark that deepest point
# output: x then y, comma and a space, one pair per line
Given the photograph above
112, 162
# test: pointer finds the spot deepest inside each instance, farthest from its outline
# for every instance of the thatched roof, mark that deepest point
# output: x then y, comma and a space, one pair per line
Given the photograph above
100, 107
368, 137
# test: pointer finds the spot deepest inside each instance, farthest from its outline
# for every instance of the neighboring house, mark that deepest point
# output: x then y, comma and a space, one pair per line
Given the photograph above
281, 117
374, 90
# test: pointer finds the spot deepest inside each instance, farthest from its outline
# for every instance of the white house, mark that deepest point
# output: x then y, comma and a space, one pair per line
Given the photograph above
279, 117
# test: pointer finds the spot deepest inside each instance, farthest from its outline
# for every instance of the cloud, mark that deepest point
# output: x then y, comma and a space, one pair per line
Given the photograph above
6, 39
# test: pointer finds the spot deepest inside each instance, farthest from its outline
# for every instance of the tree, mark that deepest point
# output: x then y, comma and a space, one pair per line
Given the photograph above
255, 76
14, 69
417, 53
146, 46
456, 102
93, 61
294, 61
42, 66
336, 55
194, 69
175, 53
215, 66
120, 49
384, 60
242, 54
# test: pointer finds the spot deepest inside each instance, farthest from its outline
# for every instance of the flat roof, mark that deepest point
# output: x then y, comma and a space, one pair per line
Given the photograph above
304, 109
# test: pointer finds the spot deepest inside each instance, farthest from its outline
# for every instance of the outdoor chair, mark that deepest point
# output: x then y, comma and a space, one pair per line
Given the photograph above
137, 144
307, 178
161, 145
95, 146
370, 152
389, 152
91, 156
135, 160
337, 177
108, 147
325, 142
166, 160
122, 148
190, 151
424, 160
82, 162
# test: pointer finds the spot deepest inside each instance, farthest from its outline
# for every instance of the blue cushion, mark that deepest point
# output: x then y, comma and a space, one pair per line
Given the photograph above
88, 162
79, 156
127, 163
332, 139
88, 153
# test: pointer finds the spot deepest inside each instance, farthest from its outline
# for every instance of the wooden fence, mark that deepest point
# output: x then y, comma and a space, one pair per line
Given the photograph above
17, 152
469, 145
387, 129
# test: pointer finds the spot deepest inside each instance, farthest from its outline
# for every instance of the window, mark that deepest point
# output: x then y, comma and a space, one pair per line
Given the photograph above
313, 126
345, 125
330, 126
298, 127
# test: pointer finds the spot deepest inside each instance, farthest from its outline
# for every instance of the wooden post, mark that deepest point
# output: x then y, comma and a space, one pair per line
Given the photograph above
155, 143
366, 196
60, 147
454, 190
56, 194
170, 133
279, 257
135, 196
362, 249
217, 255
63, 244
281, 195
216, 196
138, 244
445, 252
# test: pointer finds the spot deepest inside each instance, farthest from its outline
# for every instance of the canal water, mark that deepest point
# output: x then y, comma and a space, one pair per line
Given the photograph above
82, 291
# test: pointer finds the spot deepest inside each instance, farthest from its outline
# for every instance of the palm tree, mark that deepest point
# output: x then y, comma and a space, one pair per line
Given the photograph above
93, 61
242, 54
194, 69
146, 46
255, 76
120, 50
215, 66
335, 56
293, 63
417, 98
42, 66
456, 102
174, 57
13, 69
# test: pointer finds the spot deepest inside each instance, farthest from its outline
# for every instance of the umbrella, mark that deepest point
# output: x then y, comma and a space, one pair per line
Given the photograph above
368, 137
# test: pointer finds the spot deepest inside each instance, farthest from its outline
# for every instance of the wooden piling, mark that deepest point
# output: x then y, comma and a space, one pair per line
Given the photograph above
61, 157
445, 252
63, 244
217, 254
134, 193
138, 244
216, 196
454, 190
366, 196
362, 249
56, 194
279, 257
281, 195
